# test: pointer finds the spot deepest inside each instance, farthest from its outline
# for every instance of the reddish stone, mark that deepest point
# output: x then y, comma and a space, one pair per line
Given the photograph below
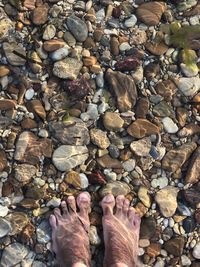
116, 12
128, 64
3, 160
78, 88
96, 177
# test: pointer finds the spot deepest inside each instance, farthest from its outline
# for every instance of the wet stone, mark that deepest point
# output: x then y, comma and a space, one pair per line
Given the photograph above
78, 28
14, 58
99, 138
24, 173
5, 227
116, 188
112, 121
40, 14
141, 147
43, 232
78, 88
142, 128
175, 246
148, 228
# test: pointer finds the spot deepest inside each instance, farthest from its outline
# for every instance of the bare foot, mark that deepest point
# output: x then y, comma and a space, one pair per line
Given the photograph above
70, 240
121, 232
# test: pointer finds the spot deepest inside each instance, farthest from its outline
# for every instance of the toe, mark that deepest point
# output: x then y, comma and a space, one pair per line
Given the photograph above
84, 204
125, 207
64, 209
119, 204
57, 214
134, 218
108, 204
52, 221
71, 204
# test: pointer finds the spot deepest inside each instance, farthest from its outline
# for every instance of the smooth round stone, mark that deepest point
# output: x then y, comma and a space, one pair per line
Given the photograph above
189, 71
43, 232
49, 32
5, 227
100, 15
144, 243
54, 202
159, 263
124, 46
129, 165
169, 125
114, 151
188, 225
93, 236
185, 260
100, 80
60, 54
130, 22
77, 27
84, 181
29, 94
196, 251
91, 114
3, 211
43, 133
183, 210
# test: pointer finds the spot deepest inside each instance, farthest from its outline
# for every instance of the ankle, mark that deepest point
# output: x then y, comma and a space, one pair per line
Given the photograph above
79, 264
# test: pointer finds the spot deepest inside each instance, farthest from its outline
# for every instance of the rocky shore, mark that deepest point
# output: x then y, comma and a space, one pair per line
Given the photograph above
100, 96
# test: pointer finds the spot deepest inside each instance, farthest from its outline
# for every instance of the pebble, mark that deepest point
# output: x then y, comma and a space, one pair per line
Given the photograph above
3, 211
84, 181
196, 251
169, 125
49, 32
129, 165
29, 94
5, 227
185, 260
59, 54
54, 202
43, 232
93, 236
77, 27
130, 22
68, 68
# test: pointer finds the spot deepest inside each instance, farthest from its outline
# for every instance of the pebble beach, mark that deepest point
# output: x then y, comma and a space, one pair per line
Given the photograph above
100, 96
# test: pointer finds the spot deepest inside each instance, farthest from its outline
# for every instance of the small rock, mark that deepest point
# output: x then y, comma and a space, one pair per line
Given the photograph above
196, 251
169, 125
129, 165
185, 260
40, 14
148, 228
43, 232
54, 202
175, 246
142, 128
93, 236
12, 58
49, 32
99, 138
166, 199
67, 68
24, 173
67, 157
107, 162
193, 170
29, 94
13, 254
116, 188
112, 121
78, 28
141, 147
3, 211
144, 196
60, 53
78, 88
188, 86
5, 227
130, 22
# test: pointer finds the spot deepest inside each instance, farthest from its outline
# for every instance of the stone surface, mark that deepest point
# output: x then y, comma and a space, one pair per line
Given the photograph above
5, 227
99, 138
124, 89
188, 86
112, 121
6, 26
43, 232
67, 68
67, 157
13, 254
24, 173
107, 162
14, 58
175, 246
193, 171
40, 14
169, 125
148, 228
175, 158
78, 88
166, 199
150, 13
141, 147
116, 188
78, 28
196, 251
142, 128
75, 133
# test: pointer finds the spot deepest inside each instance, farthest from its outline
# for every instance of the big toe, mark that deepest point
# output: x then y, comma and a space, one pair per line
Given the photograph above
84, 204
108, 203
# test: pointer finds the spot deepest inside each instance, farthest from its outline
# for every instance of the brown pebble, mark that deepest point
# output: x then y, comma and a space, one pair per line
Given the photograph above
7, 104
53, 45
154, 249
28, 123
40, 14
4, 70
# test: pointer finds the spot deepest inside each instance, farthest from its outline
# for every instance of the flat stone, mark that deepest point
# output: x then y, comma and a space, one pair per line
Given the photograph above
5, 227
188, 86
156, 48
166, 89
77, 89
53, 45
141, 147
67, 68
35, 106
148, 228
124, 89
169, 125
40, 14
94, 238
175, 158
166, 199
24, 173
144, 196
175, 246
49, 32
15, 59
77, 27
29, 148
116, 188
112, 121
3, 160
70, 134
130, 22
67, 157
6, 26
142, 108
154, 250
99, 138
163, 109
196, 251
150, 13
60, 54
193, 171
142, 128
107, 162
192, 196
13, 254
18, 221
43, 232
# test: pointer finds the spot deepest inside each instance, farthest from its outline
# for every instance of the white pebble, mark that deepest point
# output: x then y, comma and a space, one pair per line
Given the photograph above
29, 94
84, 181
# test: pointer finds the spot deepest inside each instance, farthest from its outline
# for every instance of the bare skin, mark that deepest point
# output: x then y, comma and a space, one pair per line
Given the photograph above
120, 228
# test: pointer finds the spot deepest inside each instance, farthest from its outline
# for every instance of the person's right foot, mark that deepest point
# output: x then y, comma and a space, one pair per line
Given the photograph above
121, 232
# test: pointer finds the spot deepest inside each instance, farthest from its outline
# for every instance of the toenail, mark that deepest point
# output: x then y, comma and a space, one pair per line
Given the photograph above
63, 203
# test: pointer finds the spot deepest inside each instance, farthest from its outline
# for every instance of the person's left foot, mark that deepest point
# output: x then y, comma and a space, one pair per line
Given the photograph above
70, 241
